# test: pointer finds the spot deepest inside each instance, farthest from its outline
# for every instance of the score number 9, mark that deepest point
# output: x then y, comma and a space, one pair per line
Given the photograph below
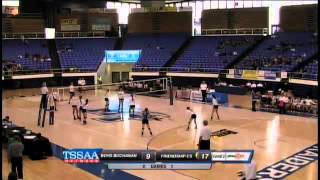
148, 156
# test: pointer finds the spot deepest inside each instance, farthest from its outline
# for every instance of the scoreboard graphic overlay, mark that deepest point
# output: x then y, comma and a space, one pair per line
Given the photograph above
150, 159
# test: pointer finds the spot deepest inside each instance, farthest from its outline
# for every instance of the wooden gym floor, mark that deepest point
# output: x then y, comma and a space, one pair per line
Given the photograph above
273, 137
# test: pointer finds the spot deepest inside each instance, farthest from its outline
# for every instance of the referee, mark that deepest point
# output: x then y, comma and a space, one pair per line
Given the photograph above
43, 103
204, 139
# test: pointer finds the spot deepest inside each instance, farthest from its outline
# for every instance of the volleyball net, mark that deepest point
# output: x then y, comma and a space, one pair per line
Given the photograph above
151, 87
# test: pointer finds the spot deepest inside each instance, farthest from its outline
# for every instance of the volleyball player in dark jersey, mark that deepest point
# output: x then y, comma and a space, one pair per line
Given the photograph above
193, 117
84, 112
81, 104
145, 120
132, 106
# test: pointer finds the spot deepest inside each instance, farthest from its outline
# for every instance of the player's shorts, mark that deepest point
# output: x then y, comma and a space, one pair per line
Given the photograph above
204, 145
193, 116
216, 106
84, 110
106, 99
74, 106
132, 106
71, 93
145, 121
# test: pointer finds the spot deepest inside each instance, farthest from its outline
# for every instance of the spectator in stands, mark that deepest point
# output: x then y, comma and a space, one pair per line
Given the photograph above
253, 86
255, 98
282, 103
99, 79
15, 150
248, 85
260, 87
309, 103
204, 89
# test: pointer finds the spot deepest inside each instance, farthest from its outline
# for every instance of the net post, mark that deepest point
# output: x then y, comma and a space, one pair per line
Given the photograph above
171, 91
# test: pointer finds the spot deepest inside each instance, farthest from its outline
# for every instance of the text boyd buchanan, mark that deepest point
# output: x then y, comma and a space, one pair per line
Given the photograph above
119, 155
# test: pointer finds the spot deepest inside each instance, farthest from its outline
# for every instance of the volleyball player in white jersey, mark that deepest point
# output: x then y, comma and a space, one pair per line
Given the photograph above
215, 107
55, 99
71, 91
84, 111
74, 104
121, 99
192, 116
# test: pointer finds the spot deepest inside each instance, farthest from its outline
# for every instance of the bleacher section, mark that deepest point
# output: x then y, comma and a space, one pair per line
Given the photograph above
214, 52
310, 71
23, 53
281, 52
84, 53
156, 49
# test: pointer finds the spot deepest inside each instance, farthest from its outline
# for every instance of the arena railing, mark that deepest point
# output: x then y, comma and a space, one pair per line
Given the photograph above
291, 75
45, 71
238, 31
303, 76
41, 35
180, 69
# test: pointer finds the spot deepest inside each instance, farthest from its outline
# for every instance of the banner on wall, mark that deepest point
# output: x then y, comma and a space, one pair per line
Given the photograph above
101, 24
238, 73
70, 24
101, 27
270, 75
160, 9
284, 75
69, 21
250, 74
70, 27
101, 10
122, 56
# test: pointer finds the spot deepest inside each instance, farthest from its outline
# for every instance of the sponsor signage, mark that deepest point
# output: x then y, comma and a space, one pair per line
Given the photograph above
244, 156
249, 74
69, 21
81, 155
270, 75
101, 27
122, 56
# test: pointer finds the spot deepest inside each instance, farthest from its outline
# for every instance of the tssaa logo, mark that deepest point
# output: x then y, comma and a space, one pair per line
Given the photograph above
81, 155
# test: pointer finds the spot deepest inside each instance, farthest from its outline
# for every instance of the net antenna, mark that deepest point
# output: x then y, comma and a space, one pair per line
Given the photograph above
160, 87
